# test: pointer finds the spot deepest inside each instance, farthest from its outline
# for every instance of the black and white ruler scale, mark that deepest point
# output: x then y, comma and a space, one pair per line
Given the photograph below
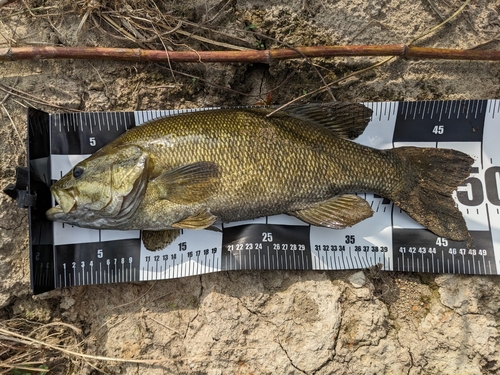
63, 255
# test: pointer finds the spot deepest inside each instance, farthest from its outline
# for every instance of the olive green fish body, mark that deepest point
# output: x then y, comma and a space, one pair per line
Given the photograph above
186, 171
266, 166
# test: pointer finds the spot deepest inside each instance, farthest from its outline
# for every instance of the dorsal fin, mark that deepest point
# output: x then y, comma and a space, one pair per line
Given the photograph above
345, 120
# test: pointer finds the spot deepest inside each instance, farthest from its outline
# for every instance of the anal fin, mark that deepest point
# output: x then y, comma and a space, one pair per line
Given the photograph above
157, 240
338, 212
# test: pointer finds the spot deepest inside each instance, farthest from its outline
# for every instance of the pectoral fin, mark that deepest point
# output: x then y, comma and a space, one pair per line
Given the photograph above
188, 183
339, 212
157, 240
201, 220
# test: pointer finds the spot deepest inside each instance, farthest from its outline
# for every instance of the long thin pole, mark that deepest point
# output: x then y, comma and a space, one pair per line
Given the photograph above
248, 56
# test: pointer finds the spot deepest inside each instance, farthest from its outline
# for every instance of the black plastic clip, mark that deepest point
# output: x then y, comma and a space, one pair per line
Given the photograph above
19, 190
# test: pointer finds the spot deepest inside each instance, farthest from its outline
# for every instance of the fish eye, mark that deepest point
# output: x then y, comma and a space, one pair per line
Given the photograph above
77, 171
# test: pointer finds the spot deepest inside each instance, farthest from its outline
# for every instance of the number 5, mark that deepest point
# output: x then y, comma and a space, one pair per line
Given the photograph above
92, 141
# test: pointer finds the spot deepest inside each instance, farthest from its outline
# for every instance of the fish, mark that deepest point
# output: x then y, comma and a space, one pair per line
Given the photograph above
189, 170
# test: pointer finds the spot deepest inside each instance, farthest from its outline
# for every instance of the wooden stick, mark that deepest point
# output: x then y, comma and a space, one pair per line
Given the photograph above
248, 56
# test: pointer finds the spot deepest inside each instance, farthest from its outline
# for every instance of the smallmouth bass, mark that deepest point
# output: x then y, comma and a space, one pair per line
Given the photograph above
188, 170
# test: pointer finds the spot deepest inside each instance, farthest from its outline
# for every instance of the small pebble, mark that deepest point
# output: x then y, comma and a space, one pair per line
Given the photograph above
358, 279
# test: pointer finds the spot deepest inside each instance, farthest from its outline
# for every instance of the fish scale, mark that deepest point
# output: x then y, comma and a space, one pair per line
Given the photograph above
251, 175
186, 171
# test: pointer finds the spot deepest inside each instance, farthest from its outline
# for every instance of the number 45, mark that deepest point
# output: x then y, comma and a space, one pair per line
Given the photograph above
438, 129
441, 241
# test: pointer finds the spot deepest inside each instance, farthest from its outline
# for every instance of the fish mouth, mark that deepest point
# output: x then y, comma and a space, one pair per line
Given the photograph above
54, 213
65, 203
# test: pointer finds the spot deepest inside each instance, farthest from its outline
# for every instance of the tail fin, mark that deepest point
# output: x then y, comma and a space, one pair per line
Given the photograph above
429, 202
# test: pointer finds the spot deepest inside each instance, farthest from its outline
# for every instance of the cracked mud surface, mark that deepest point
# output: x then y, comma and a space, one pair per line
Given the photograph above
255, 322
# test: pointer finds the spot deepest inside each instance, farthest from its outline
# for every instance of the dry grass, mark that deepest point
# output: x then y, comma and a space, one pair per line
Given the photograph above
144, 24
147, 26
28, 347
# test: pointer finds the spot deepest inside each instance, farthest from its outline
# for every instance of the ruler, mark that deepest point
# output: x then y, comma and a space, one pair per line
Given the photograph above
64, 256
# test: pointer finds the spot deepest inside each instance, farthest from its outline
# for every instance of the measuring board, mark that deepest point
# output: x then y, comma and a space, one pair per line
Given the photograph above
63, 255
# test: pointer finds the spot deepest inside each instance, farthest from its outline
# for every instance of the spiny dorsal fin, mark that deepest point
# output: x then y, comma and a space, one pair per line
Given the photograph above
345, 120
188, 183
338, 212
